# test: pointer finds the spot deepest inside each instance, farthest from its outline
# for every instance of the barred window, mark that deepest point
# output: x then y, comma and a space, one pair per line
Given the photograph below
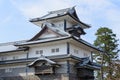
55, 50
76, 51
85, 54
8, 70
3, 58
39, 52
15, 57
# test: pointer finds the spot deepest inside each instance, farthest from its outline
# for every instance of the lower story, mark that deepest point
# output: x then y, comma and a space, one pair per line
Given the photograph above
67, 68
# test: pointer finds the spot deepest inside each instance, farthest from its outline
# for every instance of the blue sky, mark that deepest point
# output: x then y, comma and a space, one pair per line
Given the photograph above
15, 15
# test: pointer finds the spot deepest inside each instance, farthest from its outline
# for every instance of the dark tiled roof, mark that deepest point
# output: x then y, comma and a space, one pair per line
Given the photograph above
59, 13
56, 13
86, 63
42, 58
88, 44
36, 58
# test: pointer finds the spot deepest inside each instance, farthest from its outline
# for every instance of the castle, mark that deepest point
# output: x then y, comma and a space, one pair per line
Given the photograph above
57, 52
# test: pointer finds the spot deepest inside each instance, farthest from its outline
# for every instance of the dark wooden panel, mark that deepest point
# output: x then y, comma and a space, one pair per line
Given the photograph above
44, 70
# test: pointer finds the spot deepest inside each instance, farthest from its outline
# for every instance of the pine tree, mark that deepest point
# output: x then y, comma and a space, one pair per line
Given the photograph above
106, 40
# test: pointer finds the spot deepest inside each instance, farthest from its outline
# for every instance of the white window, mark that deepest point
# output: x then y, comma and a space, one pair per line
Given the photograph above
8, 70
60, 25
76, 51
85, 55
3, 58
15, 57
39, 52
55, 50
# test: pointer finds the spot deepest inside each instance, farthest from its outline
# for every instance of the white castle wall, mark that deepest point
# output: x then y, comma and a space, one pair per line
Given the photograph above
81, 52
13, 55
47, 50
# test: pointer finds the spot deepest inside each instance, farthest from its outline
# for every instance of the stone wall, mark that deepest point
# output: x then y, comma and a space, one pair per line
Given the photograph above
15, 72
38, 77
23, 73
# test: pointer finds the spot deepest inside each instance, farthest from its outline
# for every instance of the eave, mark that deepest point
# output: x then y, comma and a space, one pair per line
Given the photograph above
43, 41
17, 50
87, 44
38, 19
59, 39
57, 57
88, 26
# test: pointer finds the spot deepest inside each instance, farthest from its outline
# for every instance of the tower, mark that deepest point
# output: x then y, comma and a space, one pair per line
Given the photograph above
57, 52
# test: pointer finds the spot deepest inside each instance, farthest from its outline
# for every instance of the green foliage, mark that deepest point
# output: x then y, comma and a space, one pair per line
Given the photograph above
106, 40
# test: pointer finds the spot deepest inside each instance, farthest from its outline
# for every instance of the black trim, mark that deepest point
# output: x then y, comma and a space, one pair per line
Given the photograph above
68, 48
65, 25
68, 69
91, 56
27, 56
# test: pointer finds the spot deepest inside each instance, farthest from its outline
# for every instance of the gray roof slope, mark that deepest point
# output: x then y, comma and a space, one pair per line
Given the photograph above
42, 58
53, 28
10, 46
58, 13
87, 43
86, 63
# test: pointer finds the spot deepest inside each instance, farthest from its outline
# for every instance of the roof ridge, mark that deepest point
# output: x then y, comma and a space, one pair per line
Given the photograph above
60, 10
12, 42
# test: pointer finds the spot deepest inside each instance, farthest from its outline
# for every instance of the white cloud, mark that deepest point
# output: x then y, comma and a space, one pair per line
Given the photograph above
34, 9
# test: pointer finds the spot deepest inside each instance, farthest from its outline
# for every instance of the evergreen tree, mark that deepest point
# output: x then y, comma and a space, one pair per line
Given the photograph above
106, 40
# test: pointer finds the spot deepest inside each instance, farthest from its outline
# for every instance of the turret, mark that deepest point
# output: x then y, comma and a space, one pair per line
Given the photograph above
64, 19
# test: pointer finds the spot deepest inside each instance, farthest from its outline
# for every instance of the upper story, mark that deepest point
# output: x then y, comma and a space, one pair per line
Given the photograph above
60, 35
64, 19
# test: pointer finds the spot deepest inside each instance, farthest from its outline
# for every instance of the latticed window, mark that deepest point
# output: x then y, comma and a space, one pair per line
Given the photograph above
39, 52
85, 55
15, 57
76, 51
55, 50
3, 58
8, 70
